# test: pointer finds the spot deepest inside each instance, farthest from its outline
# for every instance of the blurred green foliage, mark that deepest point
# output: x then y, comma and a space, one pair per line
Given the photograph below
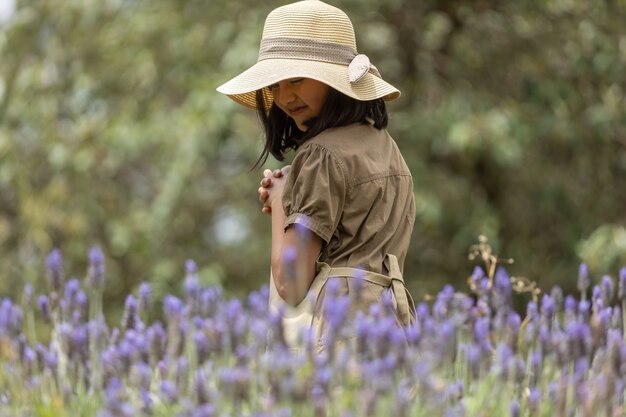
512, 120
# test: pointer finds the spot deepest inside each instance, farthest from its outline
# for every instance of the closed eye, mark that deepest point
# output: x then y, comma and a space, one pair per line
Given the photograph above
293, 81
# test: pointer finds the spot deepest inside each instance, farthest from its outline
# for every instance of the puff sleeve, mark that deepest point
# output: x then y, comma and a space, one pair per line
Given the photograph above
315, 191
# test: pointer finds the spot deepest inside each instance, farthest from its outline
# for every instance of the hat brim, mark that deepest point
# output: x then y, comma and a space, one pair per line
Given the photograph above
243, 87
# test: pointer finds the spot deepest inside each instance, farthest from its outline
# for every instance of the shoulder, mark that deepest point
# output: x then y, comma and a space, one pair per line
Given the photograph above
336, 135
346, 140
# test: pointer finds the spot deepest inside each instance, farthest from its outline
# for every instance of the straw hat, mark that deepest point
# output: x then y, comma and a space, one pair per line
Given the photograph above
309, 39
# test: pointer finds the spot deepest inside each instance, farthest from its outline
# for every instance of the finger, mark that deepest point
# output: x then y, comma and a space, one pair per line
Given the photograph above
263, 194
266, 182
278, 173
267, 173
285, 170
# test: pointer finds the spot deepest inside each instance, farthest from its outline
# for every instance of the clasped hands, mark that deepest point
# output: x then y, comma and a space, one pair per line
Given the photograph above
271, 188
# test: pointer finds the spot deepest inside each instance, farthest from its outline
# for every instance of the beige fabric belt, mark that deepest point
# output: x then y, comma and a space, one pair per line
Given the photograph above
405, 304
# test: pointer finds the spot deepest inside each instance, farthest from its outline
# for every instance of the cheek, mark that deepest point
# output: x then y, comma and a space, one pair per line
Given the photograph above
277, 102
322, 98
319, 101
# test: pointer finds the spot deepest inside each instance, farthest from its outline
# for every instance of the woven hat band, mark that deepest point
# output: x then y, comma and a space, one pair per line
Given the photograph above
312, 50
308, 49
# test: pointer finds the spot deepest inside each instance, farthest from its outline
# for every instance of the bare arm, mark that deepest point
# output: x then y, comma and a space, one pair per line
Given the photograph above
295, 250
294, 253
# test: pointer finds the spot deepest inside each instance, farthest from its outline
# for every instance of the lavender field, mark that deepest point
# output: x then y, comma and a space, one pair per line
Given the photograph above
468, 354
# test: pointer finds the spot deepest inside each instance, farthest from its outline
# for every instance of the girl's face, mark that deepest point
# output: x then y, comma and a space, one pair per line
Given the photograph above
301, 99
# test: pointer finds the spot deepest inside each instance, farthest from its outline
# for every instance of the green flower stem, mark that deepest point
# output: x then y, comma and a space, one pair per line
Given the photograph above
95, 350
624, 319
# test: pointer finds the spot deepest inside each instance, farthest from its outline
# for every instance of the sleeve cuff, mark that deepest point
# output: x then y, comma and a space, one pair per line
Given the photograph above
316, 227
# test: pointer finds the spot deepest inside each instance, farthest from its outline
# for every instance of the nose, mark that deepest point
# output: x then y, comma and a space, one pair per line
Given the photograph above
284, 95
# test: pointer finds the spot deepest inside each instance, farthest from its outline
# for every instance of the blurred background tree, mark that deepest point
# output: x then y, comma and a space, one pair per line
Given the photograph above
512, 120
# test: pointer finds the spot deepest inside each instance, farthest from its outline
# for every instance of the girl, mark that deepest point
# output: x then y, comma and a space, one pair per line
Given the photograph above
344, 209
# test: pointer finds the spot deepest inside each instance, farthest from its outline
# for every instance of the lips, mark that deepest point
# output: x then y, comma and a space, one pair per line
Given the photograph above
296, 110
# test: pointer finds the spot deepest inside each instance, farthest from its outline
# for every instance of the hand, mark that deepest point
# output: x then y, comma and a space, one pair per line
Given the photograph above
265, 190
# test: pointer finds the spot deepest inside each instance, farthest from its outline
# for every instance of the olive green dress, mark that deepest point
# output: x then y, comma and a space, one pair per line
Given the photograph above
351, 186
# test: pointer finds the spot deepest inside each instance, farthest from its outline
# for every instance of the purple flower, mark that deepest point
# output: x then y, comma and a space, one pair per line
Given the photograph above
98, 332
81, 300
319, 397
547, 307
130, 319
235, 381
474, 356
607, 289
440, 309
190, 267
11, 318
482, 335
156, 340
413, 334
51, 360
570, 305
71, 288
454, 391
324, 376
258, 302
579, 339
200, 387
533, 400
583, 279
44, 307
604, 317
79, 342
502, 289
535, 368
621, 289
447, 335
422, 311
532, 311
145, 296
54, 264
205, 410
95, 272
477, 275
27, 295
545, 338
461, 309
484, 286
515, 410
172, 306
169, 391
29, 356
336, 306
446, 293
141, 375
146, 401
209, 300
192, 283
596, 297
138, 341
289, 261
514, 322
116, 403
504, 356
616, 318
584, 307
557, 296
581, 367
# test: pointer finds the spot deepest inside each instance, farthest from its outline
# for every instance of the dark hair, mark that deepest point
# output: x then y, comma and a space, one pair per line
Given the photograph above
282, 134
